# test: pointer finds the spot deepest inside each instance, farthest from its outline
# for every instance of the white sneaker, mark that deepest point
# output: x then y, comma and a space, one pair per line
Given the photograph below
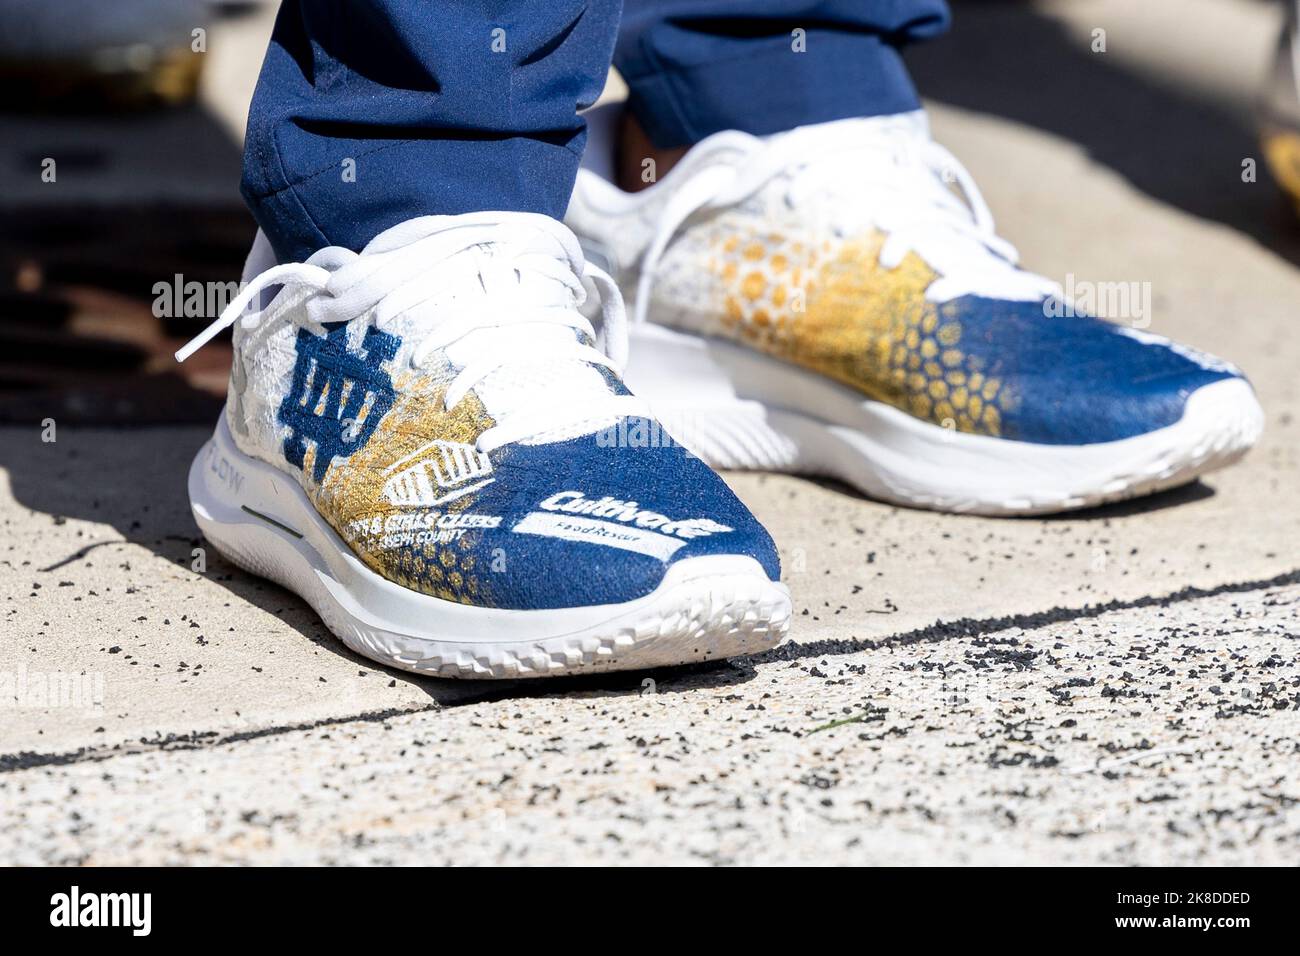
824, 301
425, 442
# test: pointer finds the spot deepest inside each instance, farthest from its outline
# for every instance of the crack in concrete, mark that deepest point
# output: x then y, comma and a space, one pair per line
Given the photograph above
30, 760
939, 631
980, 627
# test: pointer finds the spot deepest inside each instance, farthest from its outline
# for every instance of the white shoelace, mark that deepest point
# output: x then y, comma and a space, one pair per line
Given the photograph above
521, 279
862, 173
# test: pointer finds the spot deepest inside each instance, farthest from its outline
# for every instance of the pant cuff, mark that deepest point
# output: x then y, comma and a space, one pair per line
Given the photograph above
773, 88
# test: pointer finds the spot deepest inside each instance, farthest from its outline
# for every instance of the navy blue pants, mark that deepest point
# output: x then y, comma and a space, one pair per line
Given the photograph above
370, 112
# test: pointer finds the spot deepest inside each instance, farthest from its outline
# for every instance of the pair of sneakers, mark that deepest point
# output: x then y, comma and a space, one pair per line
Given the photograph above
457, 448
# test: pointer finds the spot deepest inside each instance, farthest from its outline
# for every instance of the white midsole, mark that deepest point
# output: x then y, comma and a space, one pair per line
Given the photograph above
318, 565
739, 408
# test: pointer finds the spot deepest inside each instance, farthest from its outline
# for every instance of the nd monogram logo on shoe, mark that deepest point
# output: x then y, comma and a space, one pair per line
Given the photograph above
449, 465
337, 397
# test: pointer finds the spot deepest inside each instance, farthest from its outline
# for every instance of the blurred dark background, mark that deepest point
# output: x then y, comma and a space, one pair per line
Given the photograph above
139, 103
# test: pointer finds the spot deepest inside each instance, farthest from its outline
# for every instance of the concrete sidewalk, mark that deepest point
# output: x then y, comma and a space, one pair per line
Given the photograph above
1139, 736
1117, 686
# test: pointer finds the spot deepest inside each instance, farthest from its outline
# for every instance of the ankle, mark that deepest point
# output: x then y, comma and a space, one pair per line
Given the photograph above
638, 162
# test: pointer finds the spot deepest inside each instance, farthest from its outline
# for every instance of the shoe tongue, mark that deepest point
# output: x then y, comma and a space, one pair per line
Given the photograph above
915, 123
544, 377
477, 277
470, 280
526, 386
404, 233
910, 125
